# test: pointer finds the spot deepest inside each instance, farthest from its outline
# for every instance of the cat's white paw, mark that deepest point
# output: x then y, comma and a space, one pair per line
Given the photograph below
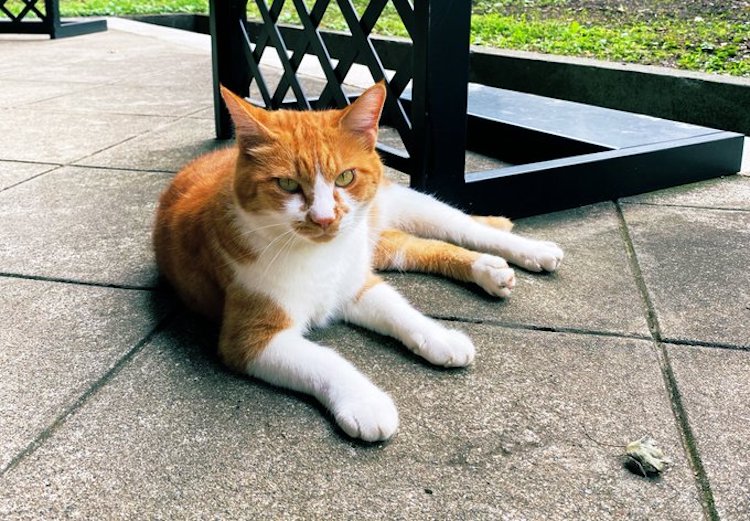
441, 346
539, 256
368, 414
493, 275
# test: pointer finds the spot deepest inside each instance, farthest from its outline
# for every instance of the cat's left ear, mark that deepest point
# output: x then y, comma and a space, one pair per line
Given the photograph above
248, 121
361, 117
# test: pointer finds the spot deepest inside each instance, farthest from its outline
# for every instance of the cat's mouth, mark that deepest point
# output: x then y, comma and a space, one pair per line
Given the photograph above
315, 233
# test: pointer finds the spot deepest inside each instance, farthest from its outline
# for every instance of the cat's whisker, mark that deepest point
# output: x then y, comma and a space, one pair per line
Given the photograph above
278, 238
288, 242
253, 253
255, 230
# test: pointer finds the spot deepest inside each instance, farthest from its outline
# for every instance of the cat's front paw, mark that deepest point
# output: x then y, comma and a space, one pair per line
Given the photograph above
493, 275
441, 346
539, 256
368, 414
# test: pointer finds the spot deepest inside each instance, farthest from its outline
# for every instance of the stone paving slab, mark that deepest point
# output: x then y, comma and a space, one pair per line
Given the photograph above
203, 114
12, 172
193, 73
57, 340
63, 137
177, 101
731, 193
19, 93
95, 58
715, 389
593, 290
175, 436
167, 148
695, 266
82, 224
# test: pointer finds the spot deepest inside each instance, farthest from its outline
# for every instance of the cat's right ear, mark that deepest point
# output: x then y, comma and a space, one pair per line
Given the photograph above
248, 128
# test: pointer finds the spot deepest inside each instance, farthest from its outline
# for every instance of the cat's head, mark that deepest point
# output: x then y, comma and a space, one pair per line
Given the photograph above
311, 172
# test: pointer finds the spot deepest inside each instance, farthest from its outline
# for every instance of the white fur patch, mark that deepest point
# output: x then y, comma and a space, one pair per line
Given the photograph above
323, 204
360, 408
384, 310
398, 260
493, 275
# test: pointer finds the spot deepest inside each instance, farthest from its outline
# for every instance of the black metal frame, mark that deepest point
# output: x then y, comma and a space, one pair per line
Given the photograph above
46, 21
435, 120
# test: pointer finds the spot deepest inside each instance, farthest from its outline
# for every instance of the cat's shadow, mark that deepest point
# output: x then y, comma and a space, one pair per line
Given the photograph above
194, 339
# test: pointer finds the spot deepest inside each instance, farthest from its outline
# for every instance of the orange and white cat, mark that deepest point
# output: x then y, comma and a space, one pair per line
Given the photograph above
282, 233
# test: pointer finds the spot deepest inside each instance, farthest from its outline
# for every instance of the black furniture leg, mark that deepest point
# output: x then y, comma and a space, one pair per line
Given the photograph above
229, 65
441, 75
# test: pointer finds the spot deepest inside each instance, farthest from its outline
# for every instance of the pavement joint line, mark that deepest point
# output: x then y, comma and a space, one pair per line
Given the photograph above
30, 162
35, 176
670, 381
47, 432
196, 112
60, 280
89, 86
106, 112
703, 343
120, 168
126, 140
541, 328
694, 206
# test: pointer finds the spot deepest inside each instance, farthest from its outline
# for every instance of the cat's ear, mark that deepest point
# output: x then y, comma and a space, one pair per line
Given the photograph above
361, 117
248, 121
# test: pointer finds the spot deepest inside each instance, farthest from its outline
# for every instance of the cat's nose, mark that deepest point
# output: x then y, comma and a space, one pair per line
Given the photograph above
324, 221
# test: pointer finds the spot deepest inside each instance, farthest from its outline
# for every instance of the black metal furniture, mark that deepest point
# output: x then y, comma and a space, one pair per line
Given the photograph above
557, 154
33, 18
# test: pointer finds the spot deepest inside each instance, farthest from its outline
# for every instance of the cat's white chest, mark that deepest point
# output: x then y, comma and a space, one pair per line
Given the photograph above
311, 282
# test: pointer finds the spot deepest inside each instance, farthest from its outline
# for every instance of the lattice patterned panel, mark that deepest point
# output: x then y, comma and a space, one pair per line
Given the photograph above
17, 10
42, 17
288, 47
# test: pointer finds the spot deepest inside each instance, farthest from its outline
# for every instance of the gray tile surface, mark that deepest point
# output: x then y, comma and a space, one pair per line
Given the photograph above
12, 172
190, 74
98, 58
19, 93
63, 137
176, 101
715, 387
57, 339
593, 290
692, 260
82, 224
177, 436
203, 114
167, 148
730, 193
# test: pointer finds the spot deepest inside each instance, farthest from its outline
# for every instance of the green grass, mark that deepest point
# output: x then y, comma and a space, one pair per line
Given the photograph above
714, 44
709, 45
129, 7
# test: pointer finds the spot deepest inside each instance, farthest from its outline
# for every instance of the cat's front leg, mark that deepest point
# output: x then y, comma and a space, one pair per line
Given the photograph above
382, 309
259, 340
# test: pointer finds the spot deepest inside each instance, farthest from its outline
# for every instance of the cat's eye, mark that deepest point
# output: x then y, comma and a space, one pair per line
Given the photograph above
345, 178
287, 184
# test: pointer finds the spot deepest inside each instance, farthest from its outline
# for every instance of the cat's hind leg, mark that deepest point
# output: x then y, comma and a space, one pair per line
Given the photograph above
382, 309
258, 339
425, 216
398, 250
